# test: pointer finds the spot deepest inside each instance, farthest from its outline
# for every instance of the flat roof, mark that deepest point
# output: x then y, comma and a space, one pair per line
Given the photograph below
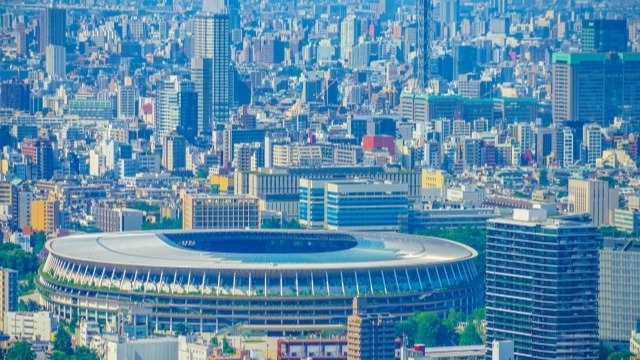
152, 249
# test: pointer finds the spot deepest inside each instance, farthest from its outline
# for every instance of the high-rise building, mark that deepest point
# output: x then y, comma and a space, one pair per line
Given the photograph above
202, 76
174, 152
619, 303
595, 87
15, 95
188, 103
45, 215
542, 286
449, 11
167, 111
604, 35
349, 33
220, 212
212, 40
52, 26
56, 62
21, 198
592, 143
127, 95
593, 197
40, 152
8, 292
370, 336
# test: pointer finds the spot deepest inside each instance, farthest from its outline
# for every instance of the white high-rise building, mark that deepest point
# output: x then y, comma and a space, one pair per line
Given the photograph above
56, 62
349, 32
592, 140
212, 40
567, 154
167, 107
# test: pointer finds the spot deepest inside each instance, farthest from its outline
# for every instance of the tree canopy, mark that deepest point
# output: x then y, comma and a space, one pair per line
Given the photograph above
470, 335
13, 257
62, 342
21, 350
431, 330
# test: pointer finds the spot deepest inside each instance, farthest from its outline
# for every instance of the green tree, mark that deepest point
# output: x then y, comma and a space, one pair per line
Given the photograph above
470, 335
84, 353
227, 348
62, 341
544, 180
620, 355
37, 241
21, 350
180, 329
427, 328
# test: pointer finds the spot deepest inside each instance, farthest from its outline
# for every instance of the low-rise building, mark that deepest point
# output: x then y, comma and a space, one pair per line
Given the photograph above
36, 326
220, 212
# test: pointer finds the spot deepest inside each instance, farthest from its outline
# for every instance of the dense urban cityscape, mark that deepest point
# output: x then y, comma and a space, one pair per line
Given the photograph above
334, 180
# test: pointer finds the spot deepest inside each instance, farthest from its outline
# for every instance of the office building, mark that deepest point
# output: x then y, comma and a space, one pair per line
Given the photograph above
370, 336
167, 111
232, 136
593, 197
595, 87
202, 76
56, 62
220, 212
40, 153
174, 152
118, 219
212, 40
592, 143
188, 104
21, 199
349, 34
542, 286
52, 26
578, 82
127, 96
278, 189
619, 297
15, 95
34, 326
8, 293
45, 215
449, 11
604, 35
364, 205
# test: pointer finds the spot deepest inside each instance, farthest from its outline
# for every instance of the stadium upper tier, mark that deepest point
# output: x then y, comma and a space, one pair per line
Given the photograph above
256, 277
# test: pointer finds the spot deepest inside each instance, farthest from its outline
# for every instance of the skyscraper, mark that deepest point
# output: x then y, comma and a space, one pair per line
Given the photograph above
578, 87
212, 40
56, 62
604, 35
202, 77
542, 286
349, 33
188, 103
53, 24
167, 117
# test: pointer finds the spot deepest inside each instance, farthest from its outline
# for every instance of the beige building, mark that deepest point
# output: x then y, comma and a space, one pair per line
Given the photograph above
595, 198
220, 212
369, 336
174, 154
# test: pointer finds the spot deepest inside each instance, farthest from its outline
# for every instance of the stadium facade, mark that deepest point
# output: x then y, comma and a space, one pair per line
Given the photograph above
275, 281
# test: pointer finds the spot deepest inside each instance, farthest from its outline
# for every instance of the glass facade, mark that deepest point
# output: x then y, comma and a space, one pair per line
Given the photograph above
542, 288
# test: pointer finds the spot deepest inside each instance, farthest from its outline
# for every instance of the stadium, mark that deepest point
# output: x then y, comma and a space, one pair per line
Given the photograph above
282, 281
